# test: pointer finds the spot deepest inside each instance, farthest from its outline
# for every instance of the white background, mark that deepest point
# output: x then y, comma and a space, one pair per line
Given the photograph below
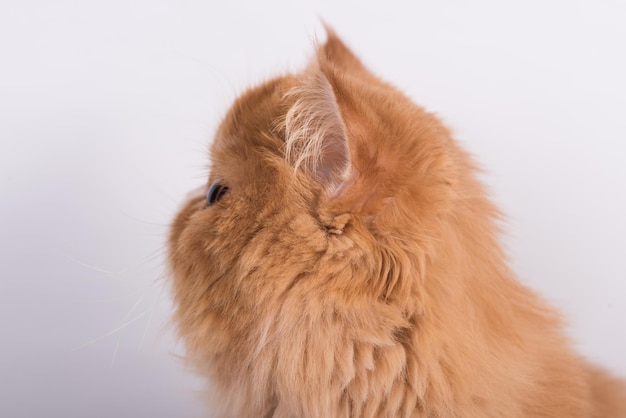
107, 108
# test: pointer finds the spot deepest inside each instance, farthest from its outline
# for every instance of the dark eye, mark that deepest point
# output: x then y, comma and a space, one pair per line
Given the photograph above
216, 192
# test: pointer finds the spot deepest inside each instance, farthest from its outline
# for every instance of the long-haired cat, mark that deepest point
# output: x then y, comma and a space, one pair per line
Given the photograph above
344, 262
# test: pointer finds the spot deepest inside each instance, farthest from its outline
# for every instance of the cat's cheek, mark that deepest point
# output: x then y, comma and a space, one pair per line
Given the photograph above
181, 222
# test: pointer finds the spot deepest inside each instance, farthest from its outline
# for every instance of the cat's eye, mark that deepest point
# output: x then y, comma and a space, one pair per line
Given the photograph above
215, 193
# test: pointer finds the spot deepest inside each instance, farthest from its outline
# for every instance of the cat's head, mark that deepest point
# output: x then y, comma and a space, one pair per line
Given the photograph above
328, 196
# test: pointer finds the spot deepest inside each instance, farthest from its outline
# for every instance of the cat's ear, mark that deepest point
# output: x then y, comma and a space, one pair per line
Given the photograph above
315, 131
322, 136
334, 56
315, 134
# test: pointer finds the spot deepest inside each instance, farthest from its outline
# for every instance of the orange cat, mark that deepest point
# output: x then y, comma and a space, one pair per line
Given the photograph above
345, 263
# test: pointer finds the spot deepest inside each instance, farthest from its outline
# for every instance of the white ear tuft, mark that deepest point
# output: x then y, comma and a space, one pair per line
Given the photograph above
315, 135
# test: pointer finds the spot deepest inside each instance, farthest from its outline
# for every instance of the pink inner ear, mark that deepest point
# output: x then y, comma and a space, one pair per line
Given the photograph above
316, 138
334, 161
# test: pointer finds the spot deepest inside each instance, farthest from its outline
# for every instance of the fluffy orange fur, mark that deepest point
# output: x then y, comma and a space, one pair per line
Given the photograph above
353, 269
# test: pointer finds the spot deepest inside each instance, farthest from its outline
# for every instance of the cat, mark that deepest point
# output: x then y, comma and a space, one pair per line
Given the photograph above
343, 261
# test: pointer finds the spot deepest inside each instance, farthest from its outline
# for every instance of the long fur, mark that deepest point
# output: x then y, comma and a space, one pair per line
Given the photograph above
353, 268
314, 131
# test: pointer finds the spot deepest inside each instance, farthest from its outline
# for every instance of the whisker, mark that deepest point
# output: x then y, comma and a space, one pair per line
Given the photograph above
145, 222
117, 275
117, 345
159, 252
119, 336
133, 308
92, 267
121, 327
145, 331
112, 299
